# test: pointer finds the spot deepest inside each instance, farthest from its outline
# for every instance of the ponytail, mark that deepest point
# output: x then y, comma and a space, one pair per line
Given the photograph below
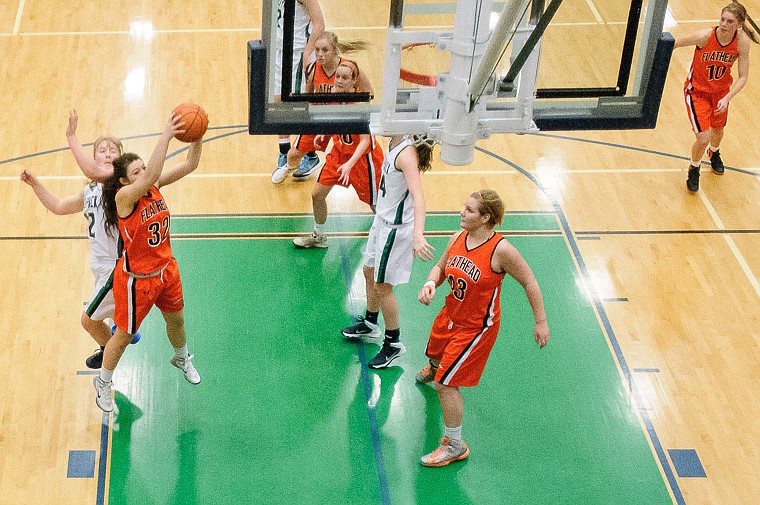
111, 186
340, 47
740, 13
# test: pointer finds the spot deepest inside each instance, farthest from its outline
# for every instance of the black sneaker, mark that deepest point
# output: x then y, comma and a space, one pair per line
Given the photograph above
362, 328
388, 353
692, 183
96, 360
715, 162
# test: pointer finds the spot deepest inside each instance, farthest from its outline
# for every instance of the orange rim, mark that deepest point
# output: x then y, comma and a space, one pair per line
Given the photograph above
413, 77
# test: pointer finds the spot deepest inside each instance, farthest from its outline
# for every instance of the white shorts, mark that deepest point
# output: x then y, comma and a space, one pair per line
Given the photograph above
298, 83
101, 304
389, 252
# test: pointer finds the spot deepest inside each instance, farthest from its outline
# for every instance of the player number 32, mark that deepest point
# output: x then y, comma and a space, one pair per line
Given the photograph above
158, 232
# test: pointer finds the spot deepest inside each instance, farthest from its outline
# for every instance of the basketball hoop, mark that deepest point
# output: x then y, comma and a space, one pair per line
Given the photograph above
413, 77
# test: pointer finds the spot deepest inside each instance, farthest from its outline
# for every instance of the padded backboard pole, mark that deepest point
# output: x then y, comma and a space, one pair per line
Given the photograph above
460, 124
504, 30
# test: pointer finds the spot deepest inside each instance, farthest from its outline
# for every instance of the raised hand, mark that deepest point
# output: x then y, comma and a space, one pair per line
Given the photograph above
73, 121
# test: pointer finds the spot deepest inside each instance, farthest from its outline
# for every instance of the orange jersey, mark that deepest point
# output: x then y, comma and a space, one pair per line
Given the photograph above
711, 66
474, 300
145, 235
322, 82
344, 146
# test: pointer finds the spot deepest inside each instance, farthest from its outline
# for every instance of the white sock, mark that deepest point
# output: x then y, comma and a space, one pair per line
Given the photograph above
106, 375
695, 164
454, 435
181, 352
714, 149
319, 229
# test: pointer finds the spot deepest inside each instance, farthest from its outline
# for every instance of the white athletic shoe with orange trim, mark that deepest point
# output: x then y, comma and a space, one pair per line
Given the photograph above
445, 454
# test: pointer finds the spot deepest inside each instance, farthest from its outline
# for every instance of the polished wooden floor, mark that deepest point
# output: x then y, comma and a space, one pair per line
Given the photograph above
675, 274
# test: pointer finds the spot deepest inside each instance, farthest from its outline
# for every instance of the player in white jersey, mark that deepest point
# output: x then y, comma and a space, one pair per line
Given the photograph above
102, 255
103, 248
308, 24
395, 238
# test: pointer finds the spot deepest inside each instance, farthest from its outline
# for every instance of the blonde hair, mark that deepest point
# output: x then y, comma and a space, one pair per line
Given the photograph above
740, 13
490, 203
349, 46
110, 140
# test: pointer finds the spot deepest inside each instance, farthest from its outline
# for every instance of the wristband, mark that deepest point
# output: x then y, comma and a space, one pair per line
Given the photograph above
430, 283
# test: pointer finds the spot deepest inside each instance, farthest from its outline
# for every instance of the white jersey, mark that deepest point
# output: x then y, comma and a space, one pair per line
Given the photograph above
102, 247
395, 204
302, 26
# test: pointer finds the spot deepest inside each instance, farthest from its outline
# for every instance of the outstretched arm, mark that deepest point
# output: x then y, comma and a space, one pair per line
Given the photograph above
127, 197
69, 205
86, 163
698, 38
174, 174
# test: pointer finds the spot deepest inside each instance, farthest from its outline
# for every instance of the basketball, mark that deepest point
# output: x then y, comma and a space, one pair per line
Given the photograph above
195, 119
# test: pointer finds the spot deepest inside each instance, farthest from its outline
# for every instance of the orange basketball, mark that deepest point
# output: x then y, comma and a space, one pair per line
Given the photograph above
195, 119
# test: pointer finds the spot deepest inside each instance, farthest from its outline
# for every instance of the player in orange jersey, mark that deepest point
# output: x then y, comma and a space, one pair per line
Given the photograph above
463, 334
354, 160
146, 273
709, 87
302, 158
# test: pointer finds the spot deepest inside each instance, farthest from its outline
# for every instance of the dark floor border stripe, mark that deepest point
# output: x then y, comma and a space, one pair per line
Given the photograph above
377, 448
637, 149
105, 429
240, 129
647, 421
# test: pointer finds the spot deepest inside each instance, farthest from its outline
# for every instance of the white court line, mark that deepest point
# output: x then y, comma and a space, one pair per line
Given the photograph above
594, 10
19, 12
751, 277
711, 210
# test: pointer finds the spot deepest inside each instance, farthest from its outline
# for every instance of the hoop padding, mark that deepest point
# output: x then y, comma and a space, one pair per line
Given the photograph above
413, 77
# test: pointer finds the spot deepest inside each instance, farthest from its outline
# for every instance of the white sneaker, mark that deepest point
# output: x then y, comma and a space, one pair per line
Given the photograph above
445, 454
281, 174
313, 240
103, 397
186, 365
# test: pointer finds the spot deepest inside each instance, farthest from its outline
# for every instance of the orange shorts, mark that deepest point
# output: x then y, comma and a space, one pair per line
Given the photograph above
701, 110
364, 176
135, 296
462, 352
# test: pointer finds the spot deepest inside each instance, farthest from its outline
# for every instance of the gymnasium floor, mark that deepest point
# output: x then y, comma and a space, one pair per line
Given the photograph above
646, 393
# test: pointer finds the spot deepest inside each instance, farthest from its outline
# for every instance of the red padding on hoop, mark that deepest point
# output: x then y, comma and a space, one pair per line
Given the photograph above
422, 80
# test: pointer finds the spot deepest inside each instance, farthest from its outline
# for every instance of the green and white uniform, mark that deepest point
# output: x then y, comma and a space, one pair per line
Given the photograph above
103, 254
389, 247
